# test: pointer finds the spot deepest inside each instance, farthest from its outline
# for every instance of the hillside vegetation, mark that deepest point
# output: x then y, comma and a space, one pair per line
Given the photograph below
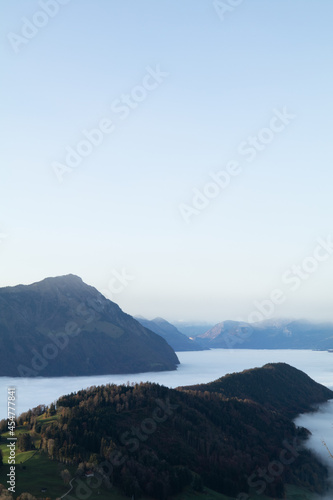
148, 440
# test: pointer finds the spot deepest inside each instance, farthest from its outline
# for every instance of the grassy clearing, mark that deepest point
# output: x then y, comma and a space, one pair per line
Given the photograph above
20, 456
47, 420
36, 473
40, 472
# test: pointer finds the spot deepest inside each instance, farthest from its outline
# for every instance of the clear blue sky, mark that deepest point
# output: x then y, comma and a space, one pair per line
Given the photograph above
122, 207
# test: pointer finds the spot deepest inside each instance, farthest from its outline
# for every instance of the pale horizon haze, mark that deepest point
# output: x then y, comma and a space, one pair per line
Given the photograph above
185, 149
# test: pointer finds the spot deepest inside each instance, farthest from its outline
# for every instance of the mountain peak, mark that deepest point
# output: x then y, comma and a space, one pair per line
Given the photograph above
65, 279
160, 320
99, 337
67, 285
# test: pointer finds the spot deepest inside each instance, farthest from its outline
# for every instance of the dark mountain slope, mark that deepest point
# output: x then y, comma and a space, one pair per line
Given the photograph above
276, 386
177, 340
61, 326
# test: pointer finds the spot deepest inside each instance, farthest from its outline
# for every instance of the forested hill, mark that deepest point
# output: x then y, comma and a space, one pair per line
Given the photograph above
157, 440
277, 386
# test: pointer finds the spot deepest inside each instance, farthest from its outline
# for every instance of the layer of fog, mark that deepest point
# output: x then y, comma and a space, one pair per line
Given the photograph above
320, 424
195, 367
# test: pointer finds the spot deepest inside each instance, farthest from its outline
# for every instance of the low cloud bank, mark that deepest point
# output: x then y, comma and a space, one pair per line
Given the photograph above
320, 424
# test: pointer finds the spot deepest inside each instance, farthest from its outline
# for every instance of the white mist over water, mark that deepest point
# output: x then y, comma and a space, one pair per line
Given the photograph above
195, 367
320, 424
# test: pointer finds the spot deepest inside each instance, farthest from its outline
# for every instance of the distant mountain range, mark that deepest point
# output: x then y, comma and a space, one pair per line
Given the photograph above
192, 328
177, 340
63, 327
270, 334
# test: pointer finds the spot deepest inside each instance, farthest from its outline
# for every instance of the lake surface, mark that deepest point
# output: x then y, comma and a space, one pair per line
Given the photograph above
195, 367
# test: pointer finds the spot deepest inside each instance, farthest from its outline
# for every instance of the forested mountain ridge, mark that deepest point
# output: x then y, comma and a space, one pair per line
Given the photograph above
63, 327
155, 441
276, 386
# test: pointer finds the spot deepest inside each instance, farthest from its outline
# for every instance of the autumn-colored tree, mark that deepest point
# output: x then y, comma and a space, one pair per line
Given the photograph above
66, 476
50, 447
4, 494
26, 496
